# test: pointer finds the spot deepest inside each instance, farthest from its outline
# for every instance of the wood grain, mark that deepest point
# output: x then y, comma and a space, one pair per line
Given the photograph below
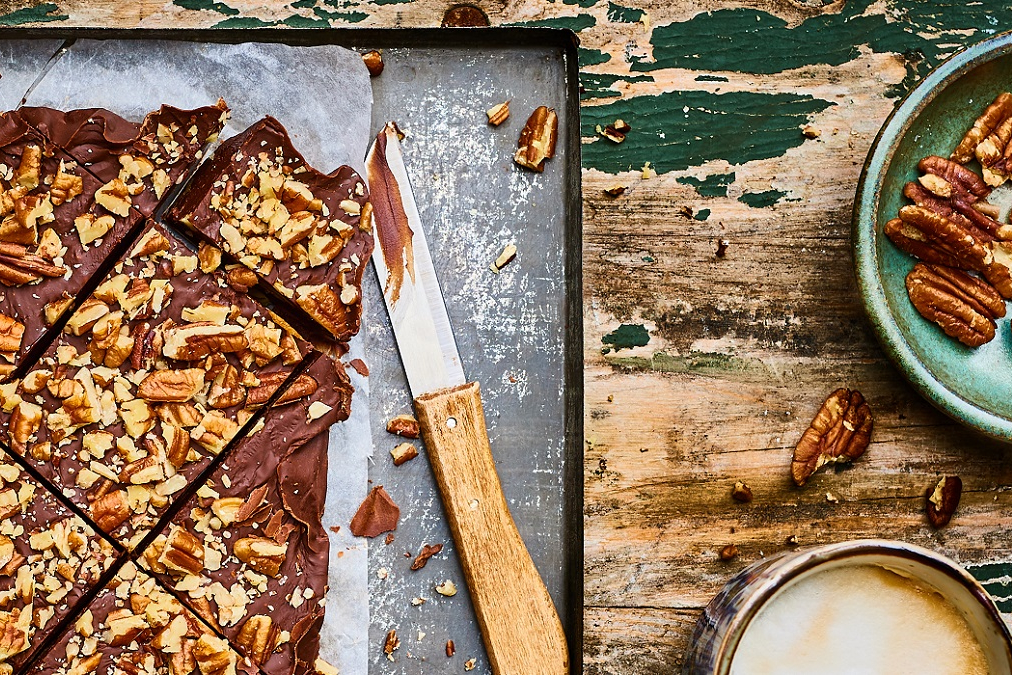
519, 624
740, 350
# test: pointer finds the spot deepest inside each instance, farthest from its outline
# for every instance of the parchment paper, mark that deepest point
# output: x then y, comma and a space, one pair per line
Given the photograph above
323, 97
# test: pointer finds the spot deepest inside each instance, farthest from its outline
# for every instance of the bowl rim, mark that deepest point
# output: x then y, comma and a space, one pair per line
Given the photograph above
792, 564
865, 238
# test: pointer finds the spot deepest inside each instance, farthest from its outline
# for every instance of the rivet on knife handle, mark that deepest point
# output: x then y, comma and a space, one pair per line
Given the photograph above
521, 629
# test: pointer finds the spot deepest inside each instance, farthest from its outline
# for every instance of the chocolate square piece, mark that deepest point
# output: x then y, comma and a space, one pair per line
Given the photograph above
249, 552
151, 378
136, 163
134, 626
49, 559
306, 233
53, 235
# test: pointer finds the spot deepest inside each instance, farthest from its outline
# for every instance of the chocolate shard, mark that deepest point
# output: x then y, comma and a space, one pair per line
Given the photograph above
377, 514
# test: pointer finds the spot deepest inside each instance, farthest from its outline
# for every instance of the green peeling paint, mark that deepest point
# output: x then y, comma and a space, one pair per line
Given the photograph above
599, 85
625, 336
43, 13
582, 3
711, 78
701, 214
592, 57
573, 23
327, 17
391, 2
711, 186
699, 363
996, 578
753, 41
302, 4
242, 22
620, 14
681, 129
208, 5
759, 200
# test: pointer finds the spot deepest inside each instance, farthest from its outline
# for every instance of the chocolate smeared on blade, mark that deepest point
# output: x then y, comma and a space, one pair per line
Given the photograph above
395, 233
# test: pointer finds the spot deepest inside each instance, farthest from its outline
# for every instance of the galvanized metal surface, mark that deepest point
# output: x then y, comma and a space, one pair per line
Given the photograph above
510, 328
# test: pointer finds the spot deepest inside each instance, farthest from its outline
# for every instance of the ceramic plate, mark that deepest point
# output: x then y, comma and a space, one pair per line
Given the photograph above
974, 386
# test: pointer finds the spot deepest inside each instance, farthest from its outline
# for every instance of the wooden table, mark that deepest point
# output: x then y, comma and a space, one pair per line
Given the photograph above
721, 306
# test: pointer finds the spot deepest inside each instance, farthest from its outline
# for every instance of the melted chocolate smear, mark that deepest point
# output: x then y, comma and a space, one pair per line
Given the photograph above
394, 233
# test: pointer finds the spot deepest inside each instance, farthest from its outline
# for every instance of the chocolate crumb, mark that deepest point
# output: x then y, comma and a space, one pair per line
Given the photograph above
377, 514
722, 245
360, 367
390, 539
729, 552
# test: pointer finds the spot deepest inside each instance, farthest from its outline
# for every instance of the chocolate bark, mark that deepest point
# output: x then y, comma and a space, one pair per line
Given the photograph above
53, 236
306, 233
151, 378
249, 552
49, 559
139, 162
135, 626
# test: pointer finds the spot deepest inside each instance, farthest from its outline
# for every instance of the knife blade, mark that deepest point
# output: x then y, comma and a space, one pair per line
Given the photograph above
519, 624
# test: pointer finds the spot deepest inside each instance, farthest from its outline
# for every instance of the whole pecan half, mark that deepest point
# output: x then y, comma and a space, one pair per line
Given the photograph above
943, 500
962, 306
996, 113
840, 433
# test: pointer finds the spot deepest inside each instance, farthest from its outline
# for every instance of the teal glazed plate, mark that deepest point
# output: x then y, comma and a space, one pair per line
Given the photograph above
974, 386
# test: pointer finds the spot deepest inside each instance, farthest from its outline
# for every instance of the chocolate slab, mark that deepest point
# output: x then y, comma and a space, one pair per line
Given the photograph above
138, 162
306, 233
249, 552
49, 559
53, 235
151, 378
135, 626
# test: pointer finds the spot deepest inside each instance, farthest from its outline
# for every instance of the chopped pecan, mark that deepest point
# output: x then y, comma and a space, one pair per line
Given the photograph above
262, 554
963, 306
28, 173
537, 140
258, 638
403, 425
182, 552
11, 334
840, 432
110, 510
194, 341
373, 61
241, 279
943, 500
25, 420
498, 113
171, 386
226, 388
213, 656
404, 452
427, 552
996, 113
304, 385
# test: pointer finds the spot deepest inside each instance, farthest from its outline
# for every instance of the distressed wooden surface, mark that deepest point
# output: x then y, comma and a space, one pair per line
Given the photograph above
703, 370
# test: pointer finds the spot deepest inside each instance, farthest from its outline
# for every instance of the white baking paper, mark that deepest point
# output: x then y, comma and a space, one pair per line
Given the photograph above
322, 95
22, 62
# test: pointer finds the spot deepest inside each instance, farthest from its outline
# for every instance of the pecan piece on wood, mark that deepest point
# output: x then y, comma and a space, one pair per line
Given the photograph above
996, 113
943, 500
839, 433
962, 306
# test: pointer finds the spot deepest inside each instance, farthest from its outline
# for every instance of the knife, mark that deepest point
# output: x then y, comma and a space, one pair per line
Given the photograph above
519, 624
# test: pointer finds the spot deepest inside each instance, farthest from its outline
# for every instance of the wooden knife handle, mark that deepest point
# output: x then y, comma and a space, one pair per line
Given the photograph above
521, 629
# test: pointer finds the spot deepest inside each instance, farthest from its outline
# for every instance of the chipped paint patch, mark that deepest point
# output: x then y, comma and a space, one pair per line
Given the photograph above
714, 185
698, 363
759, 200
206, 5
43, 13
625, 336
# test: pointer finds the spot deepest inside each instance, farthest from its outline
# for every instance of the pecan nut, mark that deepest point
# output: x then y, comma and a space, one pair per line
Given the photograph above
304, 385
262, 554
403, 425
943, 500
182, 552
213, 655
839, 433
258, 638
537, 140
195, 341
962, 306
996, 113
110, 510
171, 386
11, 334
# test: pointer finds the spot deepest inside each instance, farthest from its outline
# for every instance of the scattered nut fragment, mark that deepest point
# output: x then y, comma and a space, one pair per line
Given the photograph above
647, 172
616, 191
810, 131
447, 588
729, 552
470, 664
465, 15
616, 131
792, 540
943, 500
839, 433
741, 492
373, 60
509, 252
831, 498
417, 602
722, 245
390, 644
423, 557
405, 452
403, 425
382, 573
450, 649
537, 140
497, 114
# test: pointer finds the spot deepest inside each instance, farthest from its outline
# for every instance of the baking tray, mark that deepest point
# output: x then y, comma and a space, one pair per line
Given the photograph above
519, 333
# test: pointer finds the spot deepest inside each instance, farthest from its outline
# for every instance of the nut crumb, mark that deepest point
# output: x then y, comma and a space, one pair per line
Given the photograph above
447, 588
943, 500
509, 252
647, 173
615, 132
405, 452
391, 644
722, 245
423, 557
389, 539
792, 540
382, 573
616, 191
403, 425
497, 114
831, 498
373, 62
417, 602
450, 649
810, 131
470, 664
729, 552
741, 492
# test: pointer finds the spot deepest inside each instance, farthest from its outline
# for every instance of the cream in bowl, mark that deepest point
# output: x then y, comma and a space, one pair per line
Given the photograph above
857, 608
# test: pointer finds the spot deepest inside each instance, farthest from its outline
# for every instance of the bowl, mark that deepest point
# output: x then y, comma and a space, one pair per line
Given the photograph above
973, 386
720, 630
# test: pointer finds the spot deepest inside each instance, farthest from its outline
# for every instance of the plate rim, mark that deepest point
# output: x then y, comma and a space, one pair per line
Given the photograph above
865, 238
